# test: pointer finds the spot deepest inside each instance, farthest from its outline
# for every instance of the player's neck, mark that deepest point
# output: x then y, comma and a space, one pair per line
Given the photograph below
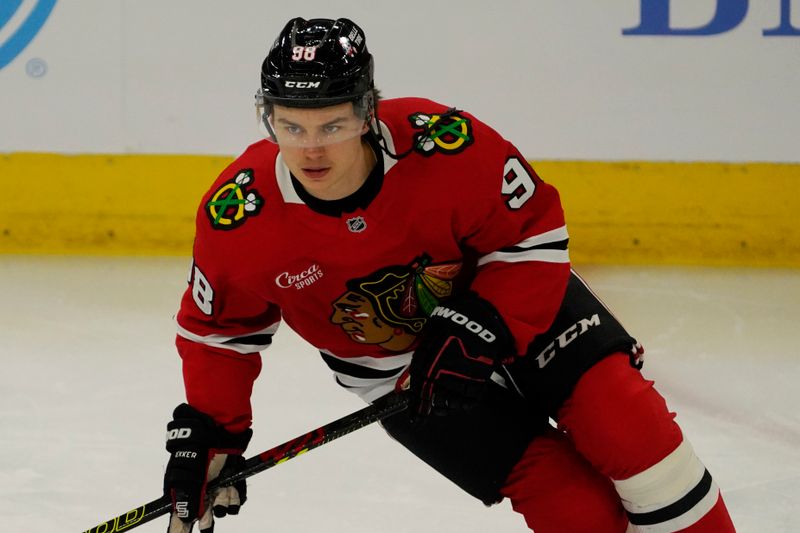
360, 171
368, 162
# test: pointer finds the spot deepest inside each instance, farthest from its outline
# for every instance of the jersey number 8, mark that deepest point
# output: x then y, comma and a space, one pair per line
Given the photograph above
202, 292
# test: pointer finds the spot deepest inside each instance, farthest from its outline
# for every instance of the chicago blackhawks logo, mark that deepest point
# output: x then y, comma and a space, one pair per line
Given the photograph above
389, 307
448, 133
233, 202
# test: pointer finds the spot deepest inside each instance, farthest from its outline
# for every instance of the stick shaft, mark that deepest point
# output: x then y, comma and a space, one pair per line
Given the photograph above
382, 408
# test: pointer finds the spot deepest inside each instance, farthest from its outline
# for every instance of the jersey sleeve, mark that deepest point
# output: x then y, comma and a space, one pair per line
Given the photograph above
222, 327
515, 225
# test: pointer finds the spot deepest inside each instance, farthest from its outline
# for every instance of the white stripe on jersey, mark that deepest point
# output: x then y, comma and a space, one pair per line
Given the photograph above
533, 249
545, 256
368, 388
284, 179
228, 343
555, 235
388, 162
377, 363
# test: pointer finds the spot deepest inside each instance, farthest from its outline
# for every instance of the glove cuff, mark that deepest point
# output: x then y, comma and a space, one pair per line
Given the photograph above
197, 429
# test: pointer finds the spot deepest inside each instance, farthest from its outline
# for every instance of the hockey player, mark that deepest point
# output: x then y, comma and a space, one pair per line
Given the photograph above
414, 246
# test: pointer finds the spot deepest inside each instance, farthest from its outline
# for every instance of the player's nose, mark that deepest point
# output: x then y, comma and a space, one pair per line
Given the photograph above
313, 152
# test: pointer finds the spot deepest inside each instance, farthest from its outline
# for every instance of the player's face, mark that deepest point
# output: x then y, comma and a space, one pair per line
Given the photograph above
323, 150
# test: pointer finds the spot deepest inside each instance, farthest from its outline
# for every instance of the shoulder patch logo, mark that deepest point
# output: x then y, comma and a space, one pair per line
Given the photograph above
234, 202
448, 133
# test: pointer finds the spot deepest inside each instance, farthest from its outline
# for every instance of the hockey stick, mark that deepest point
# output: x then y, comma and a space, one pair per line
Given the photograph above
383, 407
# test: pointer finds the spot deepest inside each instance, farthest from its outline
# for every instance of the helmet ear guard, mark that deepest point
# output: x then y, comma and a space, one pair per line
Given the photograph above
263, 112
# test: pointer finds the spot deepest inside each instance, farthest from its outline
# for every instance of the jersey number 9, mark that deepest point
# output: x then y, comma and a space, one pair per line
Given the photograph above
517, 183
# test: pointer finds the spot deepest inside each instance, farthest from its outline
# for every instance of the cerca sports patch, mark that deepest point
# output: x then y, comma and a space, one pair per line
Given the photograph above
447, 133
234, 202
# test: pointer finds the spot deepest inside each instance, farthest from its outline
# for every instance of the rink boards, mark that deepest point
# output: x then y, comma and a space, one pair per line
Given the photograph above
624, 212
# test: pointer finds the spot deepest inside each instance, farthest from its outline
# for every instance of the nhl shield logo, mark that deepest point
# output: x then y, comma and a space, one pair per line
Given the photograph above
356, 224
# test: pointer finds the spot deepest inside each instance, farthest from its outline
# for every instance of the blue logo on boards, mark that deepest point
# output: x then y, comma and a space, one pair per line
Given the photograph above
655, 19
25, 30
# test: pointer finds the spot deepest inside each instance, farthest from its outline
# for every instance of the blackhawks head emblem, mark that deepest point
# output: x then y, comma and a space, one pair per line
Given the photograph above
389, 307
448, 133
234, 202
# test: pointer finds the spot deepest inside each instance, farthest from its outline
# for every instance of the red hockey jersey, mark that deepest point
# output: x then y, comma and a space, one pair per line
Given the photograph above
357, 278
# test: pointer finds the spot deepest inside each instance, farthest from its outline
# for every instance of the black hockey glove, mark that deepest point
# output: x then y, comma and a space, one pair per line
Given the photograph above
200, 451
464, 341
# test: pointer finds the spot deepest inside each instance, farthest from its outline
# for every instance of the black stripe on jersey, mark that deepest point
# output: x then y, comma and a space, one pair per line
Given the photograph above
676, 509
259, 339
358, 371
339, 382
556, 245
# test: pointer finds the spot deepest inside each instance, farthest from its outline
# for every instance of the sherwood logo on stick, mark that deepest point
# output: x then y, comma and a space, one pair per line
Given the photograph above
20, 22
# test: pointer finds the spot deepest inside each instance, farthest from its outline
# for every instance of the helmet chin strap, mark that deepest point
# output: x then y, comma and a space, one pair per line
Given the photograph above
265, 120
375, 131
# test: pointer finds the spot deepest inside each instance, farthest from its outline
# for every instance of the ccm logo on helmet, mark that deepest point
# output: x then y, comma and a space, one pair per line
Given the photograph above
179, 433
302, 84
462, 320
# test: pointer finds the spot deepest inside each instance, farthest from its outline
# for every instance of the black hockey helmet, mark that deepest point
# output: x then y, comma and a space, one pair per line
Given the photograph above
316, 63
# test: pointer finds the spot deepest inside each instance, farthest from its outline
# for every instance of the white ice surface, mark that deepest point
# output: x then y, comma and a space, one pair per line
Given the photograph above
89, 377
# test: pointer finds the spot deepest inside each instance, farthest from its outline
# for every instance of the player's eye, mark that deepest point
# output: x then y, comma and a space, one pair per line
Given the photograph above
331, 129
293, 130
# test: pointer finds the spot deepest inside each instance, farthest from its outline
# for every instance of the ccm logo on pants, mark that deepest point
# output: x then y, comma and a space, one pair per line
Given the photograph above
563, 340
